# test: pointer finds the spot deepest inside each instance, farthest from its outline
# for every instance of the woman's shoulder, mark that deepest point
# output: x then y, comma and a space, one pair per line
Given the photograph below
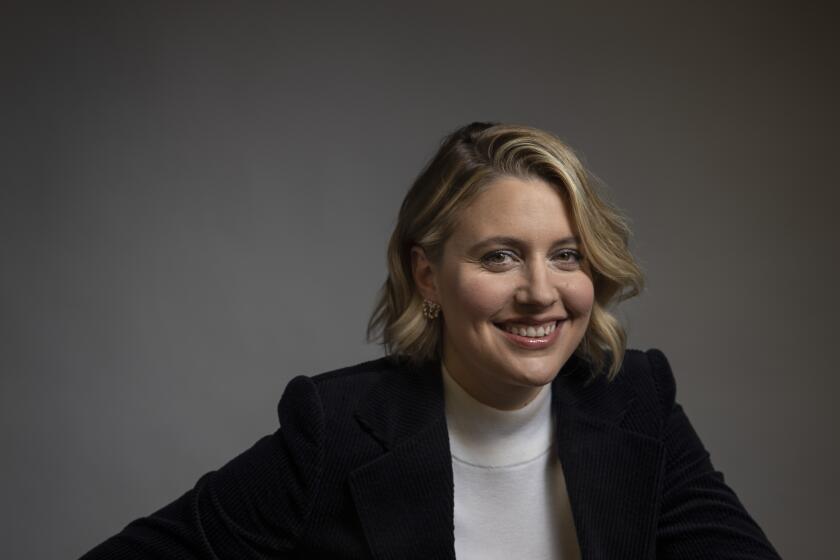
640, 396
640, 370
648, 382
366, 371
341, 384
649, 369
389, 382
358, 379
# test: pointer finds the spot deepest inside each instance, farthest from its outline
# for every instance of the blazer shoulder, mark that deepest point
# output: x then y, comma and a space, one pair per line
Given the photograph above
648, 374
355, 373
649, 365
355, 378
340, 391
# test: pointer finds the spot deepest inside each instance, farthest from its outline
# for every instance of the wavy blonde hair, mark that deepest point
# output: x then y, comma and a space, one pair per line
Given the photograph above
468, 160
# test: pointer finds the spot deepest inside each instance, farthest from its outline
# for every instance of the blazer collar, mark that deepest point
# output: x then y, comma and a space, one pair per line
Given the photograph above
405, 497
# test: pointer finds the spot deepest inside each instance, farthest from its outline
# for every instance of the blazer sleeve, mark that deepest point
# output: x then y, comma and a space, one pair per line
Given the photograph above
700, 516
255, 506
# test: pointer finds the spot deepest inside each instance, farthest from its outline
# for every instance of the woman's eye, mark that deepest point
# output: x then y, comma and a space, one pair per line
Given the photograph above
497, 258
569, 257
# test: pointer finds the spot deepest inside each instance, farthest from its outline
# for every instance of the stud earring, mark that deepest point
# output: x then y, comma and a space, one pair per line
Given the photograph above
430, 310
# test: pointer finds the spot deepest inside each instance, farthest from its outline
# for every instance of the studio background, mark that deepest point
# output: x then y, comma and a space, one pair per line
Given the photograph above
196, 200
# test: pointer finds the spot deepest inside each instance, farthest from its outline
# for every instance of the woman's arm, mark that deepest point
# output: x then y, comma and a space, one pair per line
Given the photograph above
253, 507
700, 516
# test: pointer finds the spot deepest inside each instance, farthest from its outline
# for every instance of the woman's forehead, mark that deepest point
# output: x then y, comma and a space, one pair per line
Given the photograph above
515, 207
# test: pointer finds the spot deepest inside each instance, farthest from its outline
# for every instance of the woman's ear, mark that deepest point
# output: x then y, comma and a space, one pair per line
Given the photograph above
424, 274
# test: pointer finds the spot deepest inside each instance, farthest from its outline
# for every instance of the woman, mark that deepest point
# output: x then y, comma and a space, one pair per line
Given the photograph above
506, 421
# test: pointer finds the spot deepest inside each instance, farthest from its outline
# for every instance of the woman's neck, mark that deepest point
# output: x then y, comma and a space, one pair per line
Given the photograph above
490, 392
486, 436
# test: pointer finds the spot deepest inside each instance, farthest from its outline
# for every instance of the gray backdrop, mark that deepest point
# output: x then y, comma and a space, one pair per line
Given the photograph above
196, 201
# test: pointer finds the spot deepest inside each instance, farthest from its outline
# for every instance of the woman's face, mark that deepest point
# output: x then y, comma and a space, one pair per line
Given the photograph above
514, 292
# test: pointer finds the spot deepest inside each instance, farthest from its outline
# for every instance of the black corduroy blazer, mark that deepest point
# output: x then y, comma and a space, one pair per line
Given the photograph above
361, 468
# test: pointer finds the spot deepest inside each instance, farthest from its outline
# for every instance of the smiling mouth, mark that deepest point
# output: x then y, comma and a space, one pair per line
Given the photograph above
530, 331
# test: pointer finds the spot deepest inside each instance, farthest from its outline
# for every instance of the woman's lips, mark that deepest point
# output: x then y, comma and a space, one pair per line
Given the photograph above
535, 343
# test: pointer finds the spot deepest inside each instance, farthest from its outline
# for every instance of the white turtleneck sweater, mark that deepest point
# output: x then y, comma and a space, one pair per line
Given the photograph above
510, 493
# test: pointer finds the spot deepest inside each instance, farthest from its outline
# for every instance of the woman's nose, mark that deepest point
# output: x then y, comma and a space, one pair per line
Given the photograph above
537, 289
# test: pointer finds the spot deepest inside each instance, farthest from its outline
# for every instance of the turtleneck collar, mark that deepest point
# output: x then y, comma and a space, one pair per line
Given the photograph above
488, 437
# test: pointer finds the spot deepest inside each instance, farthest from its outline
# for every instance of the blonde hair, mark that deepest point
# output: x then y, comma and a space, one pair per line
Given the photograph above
468, 160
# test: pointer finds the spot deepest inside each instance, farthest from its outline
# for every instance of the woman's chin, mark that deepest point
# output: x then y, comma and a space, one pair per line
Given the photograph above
536, 376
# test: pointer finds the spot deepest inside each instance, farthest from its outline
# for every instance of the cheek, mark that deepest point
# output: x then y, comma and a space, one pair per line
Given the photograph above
479, 296
579, 295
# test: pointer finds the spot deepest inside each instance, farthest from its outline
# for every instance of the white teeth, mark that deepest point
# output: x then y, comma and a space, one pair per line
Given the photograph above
531, 331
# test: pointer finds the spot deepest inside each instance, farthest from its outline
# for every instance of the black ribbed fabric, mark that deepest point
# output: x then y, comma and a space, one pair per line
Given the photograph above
361, 468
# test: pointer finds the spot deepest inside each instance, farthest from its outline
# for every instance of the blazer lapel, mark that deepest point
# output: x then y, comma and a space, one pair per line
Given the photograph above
405, 497
613, 475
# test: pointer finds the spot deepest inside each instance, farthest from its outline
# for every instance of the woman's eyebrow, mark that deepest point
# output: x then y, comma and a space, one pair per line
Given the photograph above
516, 242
